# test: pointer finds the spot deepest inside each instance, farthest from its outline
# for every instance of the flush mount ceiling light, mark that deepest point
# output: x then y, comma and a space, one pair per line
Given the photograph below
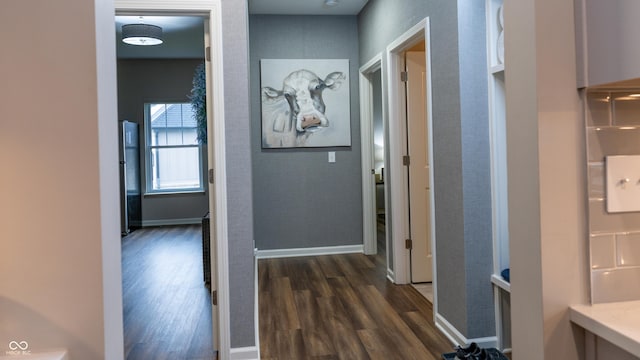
141, 34
331, 3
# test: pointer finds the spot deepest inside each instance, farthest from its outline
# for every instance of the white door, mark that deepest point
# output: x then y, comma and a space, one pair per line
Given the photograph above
417, 148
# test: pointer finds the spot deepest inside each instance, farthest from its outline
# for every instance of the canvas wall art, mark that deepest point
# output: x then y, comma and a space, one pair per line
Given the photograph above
305, 103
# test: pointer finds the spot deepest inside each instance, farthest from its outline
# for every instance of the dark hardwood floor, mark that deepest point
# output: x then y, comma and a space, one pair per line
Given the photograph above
167, 308
342, 307
325, 307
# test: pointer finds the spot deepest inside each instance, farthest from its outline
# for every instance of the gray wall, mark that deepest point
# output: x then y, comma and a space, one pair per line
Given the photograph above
300, 199
460, 146
476, 172
143, 81
235, 40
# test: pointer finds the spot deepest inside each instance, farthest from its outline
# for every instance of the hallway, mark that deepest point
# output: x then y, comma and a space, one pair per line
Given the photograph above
342, 307
324, 307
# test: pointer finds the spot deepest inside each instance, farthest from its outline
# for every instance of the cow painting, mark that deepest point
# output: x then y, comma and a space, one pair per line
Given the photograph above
296, 113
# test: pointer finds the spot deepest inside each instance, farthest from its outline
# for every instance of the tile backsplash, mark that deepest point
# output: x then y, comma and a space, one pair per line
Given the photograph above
603, 254
612, 128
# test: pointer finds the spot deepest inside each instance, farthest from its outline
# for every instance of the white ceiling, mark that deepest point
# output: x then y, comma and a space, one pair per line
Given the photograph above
183, 35
305, 7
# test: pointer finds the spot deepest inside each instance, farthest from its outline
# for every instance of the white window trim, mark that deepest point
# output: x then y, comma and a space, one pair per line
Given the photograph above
148, 167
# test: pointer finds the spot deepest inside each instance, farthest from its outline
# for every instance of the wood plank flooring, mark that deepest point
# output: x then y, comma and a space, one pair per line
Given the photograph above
325, 307
342, 307
167, 308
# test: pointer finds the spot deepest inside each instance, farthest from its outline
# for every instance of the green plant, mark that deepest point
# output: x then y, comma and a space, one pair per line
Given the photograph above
198, 99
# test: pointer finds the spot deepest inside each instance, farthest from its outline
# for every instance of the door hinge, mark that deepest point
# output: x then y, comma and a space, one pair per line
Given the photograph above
406, 160
214, 297
404, 76
408, 244
373, 171
211, 176
207, 53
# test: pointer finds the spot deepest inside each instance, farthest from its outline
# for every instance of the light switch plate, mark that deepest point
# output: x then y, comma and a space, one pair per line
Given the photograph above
623, 183
332, 156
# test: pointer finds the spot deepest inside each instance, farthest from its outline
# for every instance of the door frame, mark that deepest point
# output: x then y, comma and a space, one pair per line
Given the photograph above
397, 148
216, 146
369, 214
369, 230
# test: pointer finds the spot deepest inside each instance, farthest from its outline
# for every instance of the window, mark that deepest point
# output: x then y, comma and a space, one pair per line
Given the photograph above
173, 154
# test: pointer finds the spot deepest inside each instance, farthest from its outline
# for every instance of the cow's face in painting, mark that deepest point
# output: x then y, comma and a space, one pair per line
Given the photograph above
302, 90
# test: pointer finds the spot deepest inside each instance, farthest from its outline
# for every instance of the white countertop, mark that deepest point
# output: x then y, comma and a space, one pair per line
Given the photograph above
618, 323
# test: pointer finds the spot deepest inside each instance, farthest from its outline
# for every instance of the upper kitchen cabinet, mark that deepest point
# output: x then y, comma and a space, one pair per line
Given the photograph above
607, 43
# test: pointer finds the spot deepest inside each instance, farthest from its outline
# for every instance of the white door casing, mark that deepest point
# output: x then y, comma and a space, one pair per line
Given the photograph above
366, 139
215, 148
395, 55
215, 321
368, 179
397, 146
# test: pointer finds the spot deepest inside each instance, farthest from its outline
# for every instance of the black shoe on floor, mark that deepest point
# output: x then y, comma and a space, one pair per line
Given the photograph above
469, 352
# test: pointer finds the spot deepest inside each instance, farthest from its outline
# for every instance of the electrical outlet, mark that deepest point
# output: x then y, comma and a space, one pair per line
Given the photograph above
623, 183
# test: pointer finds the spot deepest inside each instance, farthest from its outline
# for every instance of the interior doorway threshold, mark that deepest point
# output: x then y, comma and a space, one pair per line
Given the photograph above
425, 289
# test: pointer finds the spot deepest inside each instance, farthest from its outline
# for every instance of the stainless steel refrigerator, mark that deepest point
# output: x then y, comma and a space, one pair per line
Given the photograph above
130, 195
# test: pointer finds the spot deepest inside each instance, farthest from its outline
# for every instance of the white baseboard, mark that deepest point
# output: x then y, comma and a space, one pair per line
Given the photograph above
391, 275
457, 338
315, 251
165, 222
245, 353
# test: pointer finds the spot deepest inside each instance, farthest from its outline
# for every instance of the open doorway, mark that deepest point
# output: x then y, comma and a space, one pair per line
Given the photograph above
410, 145
376, 224
418, 166
378, 162
373, 162
166, 300
215, 181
